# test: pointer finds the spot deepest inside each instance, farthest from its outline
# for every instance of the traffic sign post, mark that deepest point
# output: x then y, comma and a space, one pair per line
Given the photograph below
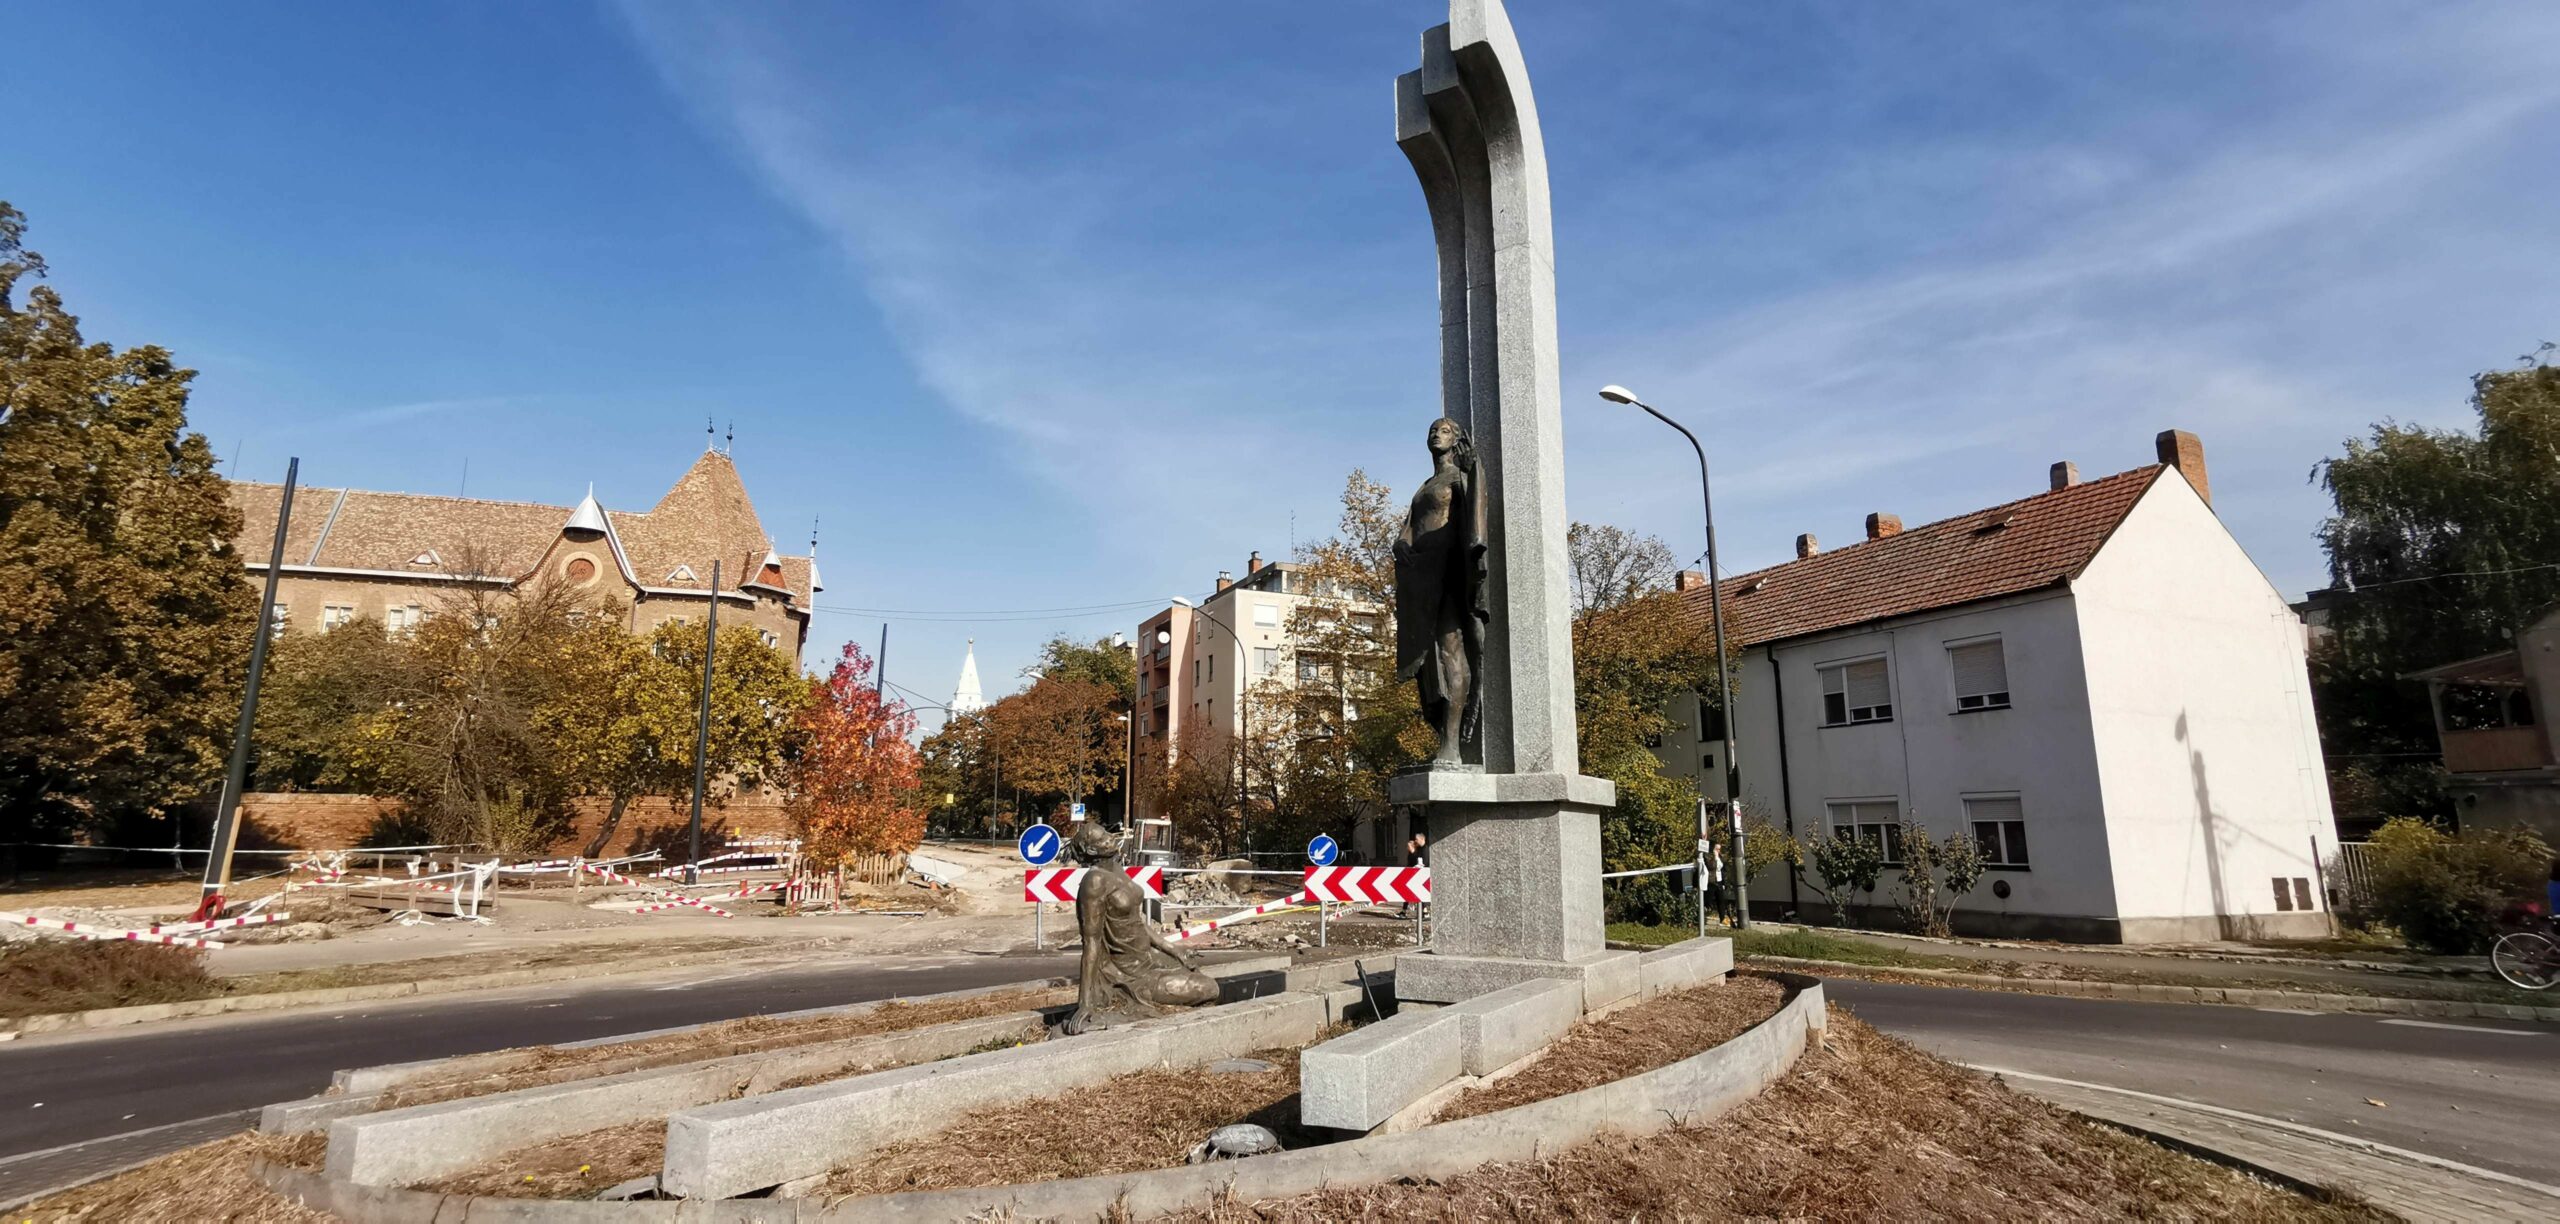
1038, 846
1076, 813
1321, 851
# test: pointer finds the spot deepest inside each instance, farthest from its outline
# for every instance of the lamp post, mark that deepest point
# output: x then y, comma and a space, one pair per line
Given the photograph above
1724, 678
1244, 710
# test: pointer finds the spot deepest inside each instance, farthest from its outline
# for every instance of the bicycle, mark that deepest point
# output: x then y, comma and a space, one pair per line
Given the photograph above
2528, 958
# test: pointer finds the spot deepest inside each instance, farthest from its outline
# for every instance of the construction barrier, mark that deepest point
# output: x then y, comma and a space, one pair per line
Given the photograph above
1292, 901
85, 931
1059, 883
1369, 885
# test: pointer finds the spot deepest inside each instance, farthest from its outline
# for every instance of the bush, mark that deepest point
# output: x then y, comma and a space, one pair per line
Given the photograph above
1952, 863
39, 976
1842, 865
2446, 893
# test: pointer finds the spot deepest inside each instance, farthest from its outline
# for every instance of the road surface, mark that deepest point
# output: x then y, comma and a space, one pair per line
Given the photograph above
2480, 1092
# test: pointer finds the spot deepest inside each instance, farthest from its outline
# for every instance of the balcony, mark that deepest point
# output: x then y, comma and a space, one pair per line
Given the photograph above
2494, 750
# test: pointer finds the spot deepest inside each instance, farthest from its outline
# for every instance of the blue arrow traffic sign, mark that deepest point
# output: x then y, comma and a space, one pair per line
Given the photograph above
1039, 844
1323, 850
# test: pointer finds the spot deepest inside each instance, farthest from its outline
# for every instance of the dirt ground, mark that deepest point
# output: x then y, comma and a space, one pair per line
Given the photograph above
576, 1167
1655, 1033
1866, 1128
208, 1182
1149, 1120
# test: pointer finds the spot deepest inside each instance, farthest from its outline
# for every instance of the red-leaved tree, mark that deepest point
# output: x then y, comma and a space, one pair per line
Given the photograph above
854, 786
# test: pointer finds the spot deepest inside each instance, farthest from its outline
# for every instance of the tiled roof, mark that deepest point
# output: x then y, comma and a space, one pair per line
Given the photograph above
2007, 549
706, 516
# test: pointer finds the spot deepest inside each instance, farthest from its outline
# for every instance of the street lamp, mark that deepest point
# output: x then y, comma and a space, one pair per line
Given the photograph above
1724, 679
1244, 709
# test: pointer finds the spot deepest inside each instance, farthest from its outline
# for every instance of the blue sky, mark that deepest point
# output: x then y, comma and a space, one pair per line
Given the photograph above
1069, 305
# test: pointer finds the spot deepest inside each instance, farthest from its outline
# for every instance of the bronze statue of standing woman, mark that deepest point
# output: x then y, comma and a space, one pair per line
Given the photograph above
1440, 593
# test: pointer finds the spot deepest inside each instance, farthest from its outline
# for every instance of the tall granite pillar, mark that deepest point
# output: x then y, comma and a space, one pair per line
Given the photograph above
1515, 847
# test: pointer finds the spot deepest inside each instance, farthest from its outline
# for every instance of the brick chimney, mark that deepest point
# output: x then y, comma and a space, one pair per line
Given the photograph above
1806, 546
1226, 578
1880, 525
1689, 580
1253, 564
2066, 474
2185, 452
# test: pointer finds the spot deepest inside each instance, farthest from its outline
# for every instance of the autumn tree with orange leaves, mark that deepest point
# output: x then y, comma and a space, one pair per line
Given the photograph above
854, 786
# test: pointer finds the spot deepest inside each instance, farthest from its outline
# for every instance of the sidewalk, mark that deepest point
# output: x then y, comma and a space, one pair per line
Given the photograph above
2410, 1184
2193, 964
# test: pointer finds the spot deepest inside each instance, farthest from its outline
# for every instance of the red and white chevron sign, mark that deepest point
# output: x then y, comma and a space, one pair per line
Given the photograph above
1059, 883
1369, 885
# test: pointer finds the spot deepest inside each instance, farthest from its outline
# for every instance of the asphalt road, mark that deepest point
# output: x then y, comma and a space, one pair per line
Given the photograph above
57, 1090
2480, 1092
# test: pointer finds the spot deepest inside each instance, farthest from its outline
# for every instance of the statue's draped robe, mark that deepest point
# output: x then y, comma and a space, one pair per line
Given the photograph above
1439, 581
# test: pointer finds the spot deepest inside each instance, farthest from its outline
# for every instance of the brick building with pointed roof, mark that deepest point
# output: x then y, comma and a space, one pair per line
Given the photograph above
2093, 684
392, 557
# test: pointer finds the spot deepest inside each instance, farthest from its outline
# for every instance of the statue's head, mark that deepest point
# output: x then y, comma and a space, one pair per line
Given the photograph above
1092, 842
1444, 436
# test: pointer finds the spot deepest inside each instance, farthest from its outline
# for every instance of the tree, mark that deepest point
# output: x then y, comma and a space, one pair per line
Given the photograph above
623, 713
1100, 662
1629, 661
319, 687
1611, 566
2445, 541
958, 760
854, 786
1325, 746
1061, 738
125, 615
1201, 787
2445, 893
1952, 863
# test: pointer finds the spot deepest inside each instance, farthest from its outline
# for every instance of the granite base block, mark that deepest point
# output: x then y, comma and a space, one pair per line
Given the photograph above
1691, 962
1496, 1030
1358, 1080
1605, 977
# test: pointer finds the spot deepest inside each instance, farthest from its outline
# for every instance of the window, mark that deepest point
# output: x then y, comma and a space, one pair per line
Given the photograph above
1710, 720
1310, 670
1213, 667
1999, 829
334, 615
1267, 615
1266, 660
1856, 693
397, 618
1878, 820
768, 638
1982, 675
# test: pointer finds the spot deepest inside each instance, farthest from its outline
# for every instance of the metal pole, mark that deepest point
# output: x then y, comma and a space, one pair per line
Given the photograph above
1724, 688
226, 811
702, 726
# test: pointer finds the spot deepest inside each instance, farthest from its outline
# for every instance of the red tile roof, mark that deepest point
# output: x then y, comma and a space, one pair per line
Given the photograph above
706, 516
2007, 549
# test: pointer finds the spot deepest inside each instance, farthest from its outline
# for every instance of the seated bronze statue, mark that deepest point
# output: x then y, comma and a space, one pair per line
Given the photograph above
1129, 971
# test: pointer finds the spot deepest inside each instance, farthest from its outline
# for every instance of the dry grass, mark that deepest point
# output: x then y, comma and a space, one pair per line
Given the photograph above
1149, 1120
572, 1168
553, 1064
1868, 1128
38, 976
211, 1181
470, 963
1655, 1033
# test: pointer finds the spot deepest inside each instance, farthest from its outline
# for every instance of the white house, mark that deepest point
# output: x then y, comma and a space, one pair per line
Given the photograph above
2094, 682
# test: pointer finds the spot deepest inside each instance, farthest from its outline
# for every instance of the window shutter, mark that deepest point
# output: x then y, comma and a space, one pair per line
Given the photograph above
1993, 809
1867, 685
1980, 669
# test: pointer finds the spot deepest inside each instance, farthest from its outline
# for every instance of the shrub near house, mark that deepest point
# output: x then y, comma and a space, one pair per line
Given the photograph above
2446, 893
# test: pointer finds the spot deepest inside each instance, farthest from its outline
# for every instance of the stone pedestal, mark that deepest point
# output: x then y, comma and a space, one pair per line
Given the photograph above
1515, 885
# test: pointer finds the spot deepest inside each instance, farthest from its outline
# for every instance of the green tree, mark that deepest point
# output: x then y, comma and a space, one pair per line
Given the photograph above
124, 613
958, 760
1114, 667
2445, 541
2445, 893
319, 687
1843, 864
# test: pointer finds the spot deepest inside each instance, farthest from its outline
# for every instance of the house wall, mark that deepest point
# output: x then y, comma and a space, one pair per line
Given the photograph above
1931, 756
2208, 758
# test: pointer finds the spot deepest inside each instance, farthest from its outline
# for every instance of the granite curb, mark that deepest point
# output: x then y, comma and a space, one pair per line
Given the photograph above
1703, 1086
2474, 966
151, 1013
2385, 1005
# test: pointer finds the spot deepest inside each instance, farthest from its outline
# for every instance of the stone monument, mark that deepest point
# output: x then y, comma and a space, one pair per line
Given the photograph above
1514, 826
1128, 972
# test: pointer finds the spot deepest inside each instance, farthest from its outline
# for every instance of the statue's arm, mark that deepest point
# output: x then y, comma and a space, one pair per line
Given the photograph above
1172, 949
1089, 961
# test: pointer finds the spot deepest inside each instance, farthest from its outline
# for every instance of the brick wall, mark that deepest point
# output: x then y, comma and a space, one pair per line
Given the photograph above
325, 822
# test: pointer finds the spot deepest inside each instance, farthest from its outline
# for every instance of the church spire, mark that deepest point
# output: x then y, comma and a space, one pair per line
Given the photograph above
968, 698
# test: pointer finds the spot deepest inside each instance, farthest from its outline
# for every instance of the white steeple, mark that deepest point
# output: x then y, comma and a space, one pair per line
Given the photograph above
968, 698
588, 516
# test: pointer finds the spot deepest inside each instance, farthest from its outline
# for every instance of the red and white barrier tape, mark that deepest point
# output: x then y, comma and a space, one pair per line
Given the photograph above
672, 902
190, 928
86, 931
1288, 902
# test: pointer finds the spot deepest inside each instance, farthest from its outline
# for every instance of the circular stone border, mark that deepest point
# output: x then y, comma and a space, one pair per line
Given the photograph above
1698, 1088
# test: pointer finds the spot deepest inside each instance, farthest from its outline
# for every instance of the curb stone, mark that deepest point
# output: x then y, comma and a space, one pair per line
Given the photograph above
117, 1017
2231, 996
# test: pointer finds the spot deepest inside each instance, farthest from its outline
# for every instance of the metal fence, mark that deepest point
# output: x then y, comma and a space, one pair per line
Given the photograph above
2351, 876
